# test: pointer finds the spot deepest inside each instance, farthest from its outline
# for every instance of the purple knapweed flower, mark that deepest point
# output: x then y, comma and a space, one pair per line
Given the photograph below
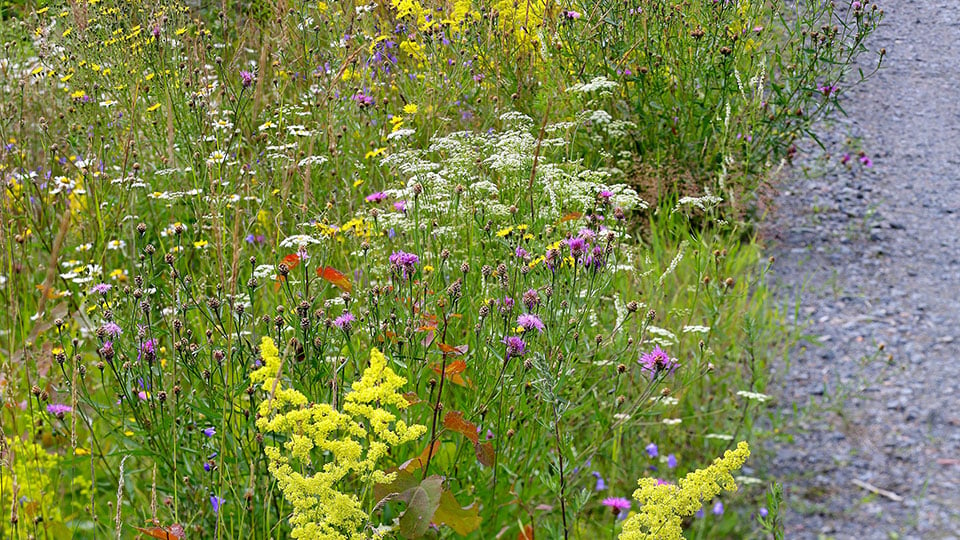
657, 361
149, 347
344, 320
246, 78
400, 206
515, 346
529, 321
577, 246
362, 99
58, 409
618, 505
404, 263
101, 288
375, 197
111, 329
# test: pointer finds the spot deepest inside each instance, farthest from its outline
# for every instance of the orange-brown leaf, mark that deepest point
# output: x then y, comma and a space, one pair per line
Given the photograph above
453, 351
172, 532
569, 217
486, 455
335, 277
460, 380
418, 462
453, 368
454, 421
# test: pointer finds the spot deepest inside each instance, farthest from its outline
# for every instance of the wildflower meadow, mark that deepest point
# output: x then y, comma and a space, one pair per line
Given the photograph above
398, 268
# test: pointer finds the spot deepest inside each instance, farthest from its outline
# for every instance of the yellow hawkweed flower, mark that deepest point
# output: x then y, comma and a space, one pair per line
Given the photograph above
663, 506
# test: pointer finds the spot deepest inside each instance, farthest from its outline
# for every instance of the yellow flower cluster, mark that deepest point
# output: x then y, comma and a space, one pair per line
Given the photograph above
29, 469
663, 506
351, 443
522, 19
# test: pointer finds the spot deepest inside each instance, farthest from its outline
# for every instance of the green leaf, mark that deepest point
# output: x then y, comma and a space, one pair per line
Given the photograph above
463, 520
422, 503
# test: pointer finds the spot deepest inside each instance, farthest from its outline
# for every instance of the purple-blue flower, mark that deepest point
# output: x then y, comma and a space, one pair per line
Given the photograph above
718, 509
210, 431
216, 502
671, 461
652, 450
601, 484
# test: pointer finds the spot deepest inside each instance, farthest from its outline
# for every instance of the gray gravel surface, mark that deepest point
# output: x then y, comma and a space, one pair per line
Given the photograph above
871, 256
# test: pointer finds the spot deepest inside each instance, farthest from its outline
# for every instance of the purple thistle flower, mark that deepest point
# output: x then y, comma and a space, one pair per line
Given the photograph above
111, 329
246, 77
404, 263
344, 320
529, 321
149, 348
362, 99
618, 505
58, 409
375, 197
577, 246
657, 361
101, 288
515, 346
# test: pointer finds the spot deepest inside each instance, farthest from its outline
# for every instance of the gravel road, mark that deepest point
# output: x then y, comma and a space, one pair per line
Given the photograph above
871, 258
